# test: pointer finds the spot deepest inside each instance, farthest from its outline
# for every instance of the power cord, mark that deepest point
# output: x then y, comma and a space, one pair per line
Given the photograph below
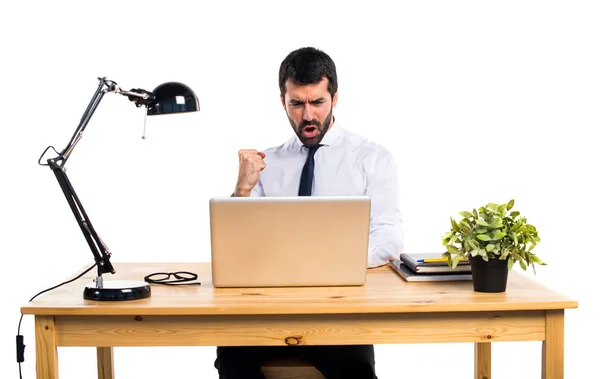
20, 341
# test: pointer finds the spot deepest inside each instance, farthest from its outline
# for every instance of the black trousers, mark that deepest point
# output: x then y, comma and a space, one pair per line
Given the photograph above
343, 362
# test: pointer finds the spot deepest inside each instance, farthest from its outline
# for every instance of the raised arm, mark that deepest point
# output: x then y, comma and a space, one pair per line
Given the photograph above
251, 164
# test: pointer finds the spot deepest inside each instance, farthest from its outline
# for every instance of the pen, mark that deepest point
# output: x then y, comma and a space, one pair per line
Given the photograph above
431, 260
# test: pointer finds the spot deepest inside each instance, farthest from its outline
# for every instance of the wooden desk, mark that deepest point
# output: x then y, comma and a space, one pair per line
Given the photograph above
387, 310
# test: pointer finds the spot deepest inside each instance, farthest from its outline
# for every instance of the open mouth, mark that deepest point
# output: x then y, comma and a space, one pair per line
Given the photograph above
310, 131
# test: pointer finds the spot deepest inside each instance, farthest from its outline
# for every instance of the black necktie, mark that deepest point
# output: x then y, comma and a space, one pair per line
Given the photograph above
306, 179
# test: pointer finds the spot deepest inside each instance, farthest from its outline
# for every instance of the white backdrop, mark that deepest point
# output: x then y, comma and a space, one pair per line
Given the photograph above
478, 101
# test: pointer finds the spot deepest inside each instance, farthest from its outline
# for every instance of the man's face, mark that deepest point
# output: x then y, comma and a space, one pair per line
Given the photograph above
309, 109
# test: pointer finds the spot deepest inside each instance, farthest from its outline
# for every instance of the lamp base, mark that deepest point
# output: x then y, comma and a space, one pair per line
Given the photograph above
117, 290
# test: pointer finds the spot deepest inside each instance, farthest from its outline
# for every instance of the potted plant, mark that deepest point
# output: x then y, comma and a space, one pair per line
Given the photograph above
492, 238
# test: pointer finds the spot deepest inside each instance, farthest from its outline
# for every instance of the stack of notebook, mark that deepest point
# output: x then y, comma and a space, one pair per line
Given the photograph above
430, 267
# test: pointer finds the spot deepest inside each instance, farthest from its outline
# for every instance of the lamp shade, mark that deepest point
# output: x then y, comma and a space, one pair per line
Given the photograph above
173, 97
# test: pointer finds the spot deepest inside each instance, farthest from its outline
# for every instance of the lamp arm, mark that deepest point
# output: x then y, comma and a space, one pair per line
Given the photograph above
87, 115
56, 164
97, 246
137, 95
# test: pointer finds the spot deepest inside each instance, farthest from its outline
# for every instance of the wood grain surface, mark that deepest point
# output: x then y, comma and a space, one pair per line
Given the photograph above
384, 292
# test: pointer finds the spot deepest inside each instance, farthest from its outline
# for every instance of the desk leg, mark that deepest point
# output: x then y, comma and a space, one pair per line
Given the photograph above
106, 368
483, 360
46, 356
553, 348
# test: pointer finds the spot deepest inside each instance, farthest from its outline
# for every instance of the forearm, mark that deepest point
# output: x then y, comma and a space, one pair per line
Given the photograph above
386, 237
386, 240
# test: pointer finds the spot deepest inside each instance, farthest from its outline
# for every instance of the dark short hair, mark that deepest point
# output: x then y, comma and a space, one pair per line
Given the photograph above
305, 66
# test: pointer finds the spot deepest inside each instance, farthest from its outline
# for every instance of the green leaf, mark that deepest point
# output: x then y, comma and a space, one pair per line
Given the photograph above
511, 261
510, 204
536, 259
471, 244
502, 210
484, 237
465, 228
522, 264
466, 214
496, 222
454, 225
489, 248
475, 215
455, 261
453, 249
481, 222
493, 208
515, 239
514, 214
497, 235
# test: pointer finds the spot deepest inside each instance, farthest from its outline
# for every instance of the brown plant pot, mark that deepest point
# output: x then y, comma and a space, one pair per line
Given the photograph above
490, 276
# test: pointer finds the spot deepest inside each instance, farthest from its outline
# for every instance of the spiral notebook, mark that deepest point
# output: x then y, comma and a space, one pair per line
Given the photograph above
432, 263
410, 276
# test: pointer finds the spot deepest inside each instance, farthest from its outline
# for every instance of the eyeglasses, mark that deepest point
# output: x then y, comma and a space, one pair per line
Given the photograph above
182, 278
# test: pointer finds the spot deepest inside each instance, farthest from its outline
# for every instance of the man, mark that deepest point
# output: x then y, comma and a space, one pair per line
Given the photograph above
321, 160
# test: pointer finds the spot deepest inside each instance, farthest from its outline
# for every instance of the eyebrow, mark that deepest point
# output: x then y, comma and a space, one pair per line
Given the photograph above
297, 101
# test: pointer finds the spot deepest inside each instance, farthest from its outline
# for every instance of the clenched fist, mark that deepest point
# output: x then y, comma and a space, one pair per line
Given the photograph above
251, 164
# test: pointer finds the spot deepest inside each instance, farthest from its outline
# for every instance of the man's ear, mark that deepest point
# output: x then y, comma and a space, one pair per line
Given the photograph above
334, 100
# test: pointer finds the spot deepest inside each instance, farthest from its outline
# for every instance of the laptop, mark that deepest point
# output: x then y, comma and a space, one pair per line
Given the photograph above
289, 241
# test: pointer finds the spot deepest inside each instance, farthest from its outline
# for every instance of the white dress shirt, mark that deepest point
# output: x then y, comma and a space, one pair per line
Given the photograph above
346, 165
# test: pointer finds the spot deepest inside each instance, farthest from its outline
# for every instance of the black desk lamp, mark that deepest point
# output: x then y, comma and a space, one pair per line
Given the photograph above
167, 98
